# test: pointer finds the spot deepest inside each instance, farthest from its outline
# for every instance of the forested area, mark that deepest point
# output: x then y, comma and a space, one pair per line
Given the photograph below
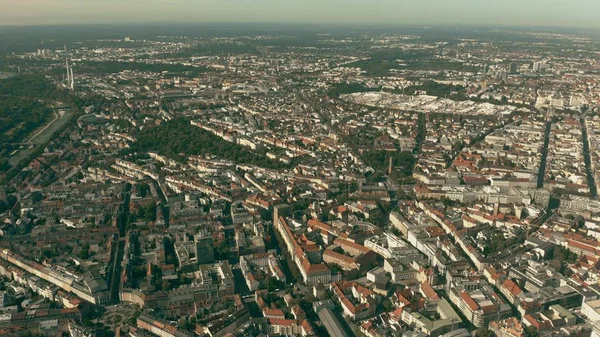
178, 137
19, 116
379, 160
432, 88
381, 62
32, 86
22, 110
25, 106
38, 87
343, 88
403, 160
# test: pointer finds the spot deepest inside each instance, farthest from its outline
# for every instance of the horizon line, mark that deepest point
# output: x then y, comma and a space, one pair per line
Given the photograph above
305, 23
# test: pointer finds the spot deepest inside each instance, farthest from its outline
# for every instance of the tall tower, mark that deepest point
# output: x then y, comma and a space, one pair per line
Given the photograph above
68, 71
72, 84
390, 167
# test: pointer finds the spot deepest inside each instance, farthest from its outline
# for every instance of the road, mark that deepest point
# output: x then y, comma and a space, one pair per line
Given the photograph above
587, 159
241, 287
542, 172
114, 277
164, 204
277, 243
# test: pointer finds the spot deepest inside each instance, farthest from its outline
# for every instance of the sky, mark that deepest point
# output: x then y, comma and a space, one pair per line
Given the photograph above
570, 13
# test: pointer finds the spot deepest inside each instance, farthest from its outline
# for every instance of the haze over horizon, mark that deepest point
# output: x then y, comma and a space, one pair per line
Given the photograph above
576, 13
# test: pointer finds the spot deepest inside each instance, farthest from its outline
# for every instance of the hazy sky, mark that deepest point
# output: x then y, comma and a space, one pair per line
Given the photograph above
582, 13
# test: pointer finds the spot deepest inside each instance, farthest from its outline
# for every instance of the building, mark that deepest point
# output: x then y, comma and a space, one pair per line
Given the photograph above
510, 327
448, 320
398, 270
357, 302
94, 293
390, 246
591, 310
479, 303
33, 318
257, 268
160, 328
205, 249
224, 326
214, 284
312, 273
332, 323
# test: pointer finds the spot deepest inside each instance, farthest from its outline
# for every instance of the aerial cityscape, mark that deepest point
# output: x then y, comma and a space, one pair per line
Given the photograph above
299, 180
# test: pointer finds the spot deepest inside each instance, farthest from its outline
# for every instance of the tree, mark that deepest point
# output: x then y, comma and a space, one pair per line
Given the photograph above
3, 206
150, 213
387, 305
142, 189
134, 317
265, 215
353, 186
4, 165
47, 253
36, 197
378, 218
561, 254
223, 250
339, 89
483, 332
274, 284
178, 136
186, 323
84, 253
165, 285
11, 201
531, 331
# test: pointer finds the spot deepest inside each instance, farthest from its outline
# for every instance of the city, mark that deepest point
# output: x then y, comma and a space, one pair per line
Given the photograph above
401, 182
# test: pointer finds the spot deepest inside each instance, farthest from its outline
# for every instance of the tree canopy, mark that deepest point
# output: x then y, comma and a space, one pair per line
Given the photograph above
23, 109
178, 137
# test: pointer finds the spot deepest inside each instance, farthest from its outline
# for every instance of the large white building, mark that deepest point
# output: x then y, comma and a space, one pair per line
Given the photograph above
392, 247
591, 310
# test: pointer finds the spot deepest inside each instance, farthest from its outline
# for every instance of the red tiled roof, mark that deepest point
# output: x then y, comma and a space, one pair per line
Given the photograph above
428, 291
317, 268
282, 322
273, 312
338, 256
512, 287
469, 301
343, 242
